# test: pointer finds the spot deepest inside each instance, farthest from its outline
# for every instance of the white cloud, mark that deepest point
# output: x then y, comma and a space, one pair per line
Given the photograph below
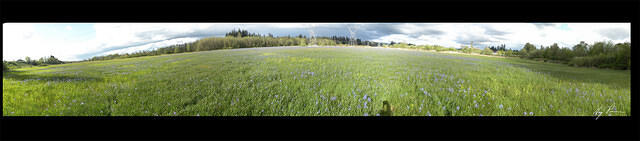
151, 46
514, 35
22, 39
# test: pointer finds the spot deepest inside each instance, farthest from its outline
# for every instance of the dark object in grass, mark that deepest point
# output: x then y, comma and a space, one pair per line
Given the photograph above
386, 109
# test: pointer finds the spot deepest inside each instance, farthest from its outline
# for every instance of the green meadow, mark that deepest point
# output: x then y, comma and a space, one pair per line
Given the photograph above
315, 81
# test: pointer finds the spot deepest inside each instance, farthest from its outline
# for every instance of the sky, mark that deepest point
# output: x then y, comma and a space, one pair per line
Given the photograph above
79, 41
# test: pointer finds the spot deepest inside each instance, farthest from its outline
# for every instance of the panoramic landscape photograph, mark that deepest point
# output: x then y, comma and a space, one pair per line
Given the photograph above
316, 69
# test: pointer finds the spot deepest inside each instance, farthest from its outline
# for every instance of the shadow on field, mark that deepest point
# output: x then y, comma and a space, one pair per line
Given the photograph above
23, 76
602, 76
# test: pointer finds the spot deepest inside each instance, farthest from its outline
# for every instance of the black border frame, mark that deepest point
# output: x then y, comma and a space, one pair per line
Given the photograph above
323, 128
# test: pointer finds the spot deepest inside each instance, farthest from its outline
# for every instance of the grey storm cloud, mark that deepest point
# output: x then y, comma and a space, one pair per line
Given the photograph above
147, 38
427, 32
375, 31
492, 31
468, 38
614, 33
112, 48
207, 32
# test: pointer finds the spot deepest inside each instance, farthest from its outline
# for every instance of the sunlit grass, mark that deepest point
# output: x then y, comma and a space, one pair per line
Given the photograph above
294, 81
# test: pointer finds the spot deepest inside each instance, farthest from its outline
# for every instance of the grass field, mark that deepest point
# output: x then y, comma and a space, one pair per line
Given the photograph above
321, 81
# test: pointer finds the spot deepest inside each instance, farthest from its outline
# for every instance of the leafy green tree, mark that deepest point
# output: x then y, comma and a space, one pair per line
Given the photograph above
177, 50
554, 52
41, 61
29, 61
596, 49
487, 51
528, 48
580, 49
52, 60
509, 53
566, 54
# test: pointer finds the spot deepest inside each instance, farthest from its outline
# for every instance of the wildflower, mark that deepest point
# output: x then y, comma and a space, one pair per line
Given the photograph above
458, 108
480, 114
476, 105
501, 106
378, 114
198, 114
444, 108
366, 114
169, 104
333, 98
525, 113
174, 113
531, 113
81, 103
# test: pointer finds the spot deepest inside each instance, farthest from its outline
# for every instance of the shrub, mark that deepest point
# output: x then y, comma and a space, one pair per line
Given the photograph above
4, 66
487, 51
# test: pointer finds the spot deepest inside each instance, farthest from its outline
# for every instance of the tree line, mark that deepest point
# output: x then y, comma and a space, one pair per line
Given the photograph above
599, 54
43, 61
604, 54
238, 39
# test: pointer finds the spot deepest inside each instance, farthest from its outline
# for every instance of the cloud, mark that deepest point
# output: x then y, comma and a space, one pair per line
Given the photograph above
468, 38
492, 31
614, 33
22, 39
543, 25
